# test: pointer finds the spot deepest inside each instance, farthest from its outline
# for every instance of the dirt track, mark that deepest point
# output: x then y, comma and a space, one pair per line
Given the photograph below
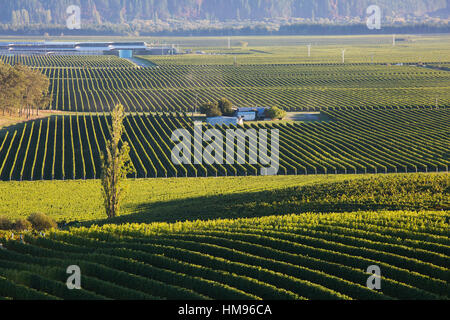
7, 120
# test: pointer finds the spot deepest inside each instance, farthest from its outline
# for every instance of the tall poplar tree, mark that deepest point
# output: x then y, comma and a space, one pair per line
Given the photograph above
116, 165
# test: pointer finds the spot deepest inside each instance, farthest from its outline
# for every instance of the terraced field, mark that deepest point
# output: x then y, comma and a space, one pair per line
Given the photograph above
68, 147
280, 257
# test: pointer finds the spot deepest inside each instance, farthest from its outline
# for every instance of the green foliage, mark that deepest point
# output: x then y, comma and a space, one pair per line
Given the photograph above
23, 225
20, 292
41, 222
5, 223
214, 112
275, 113
205, 107
116, 164
225, 106
23, 89
210, 109
216, 109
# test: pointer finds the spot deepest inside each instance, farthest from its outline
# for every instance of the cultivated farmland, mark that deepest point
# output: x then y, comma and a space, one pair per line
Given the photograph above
299, 87
68, 61
293, 88
175, 199
363, 175
352, 141
278, 257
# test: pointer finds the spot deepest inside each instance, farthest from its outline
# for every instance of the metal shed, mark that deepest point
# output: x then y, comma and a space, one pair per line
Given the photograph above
127, 54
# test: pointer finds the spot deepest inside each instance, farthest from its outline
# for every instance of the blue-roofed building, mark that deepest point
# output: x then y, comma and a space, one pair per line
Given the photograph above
246, 115
127, 54
258, 111
85, 48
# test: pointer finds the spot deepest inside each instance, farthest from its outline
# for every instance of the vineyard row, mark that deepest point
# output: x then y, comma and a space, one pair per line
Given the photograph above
69, 147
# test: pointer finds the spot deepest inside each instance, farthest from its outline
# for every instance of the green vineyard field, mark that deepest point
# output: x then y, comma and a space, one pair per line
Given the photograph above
364, 154
276, 257
293, 50
76, 61
172, 200
294, 87
358, 141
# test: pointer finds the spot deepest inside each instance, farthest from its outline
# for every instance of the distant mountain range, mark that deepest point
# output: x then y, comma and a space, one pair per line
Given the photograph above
23, 12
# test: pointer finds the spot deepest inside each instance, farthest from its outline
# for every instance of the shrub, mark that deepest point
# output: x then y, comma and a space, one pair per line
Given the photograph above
41, 221
217, 109
5, 223
214, 111
225, 106
210, 109
205, 107
22, 225
275, 113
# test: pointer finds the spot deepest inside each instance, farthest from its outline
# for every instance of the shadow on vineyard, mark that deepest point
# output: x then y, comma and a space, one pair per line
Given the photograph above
414, 192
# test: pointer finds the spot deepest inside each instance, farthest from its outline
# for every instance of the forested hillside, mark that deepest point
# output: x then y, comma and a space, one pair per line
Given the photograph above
20, 12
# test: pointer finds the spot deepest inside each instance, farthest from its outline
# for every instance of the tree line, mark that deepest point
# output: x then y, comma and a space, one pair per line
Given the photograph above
247, 29
23, 90
125, 11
